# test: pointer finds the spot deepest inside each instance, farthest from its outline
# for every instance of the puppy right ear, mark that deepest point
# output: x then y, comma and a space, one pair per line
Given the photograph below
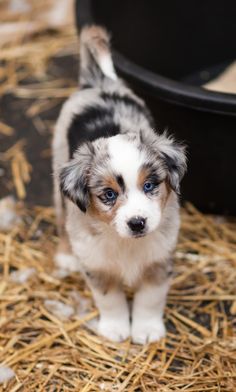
74, 177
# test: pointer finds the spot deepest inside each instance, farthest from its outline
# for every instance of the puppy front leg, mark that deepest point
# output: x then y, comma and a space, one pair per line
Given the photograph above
148, 307
114, 321
147, 314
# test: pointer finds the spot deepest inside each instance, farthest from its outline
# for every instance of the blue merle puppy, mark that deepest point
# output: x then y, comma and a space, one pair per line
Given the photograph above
116, 186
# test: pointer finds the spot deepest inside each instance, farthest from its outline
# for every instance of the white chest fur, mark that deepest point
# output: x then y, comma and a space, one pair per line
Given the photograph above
105, 251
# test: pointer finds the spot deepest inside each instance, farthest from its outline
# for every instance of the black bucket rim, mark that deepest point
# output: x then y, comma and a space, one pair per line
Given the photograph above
167, 89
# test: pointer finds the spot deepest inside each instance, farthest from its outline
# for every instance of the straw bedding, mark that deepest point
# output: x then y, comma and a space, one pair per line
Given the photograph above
59, 351
48, 338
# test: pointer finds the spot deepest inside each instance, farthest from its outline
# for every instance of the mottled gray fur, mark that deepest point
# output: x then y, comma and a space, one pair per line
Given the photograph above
104, 104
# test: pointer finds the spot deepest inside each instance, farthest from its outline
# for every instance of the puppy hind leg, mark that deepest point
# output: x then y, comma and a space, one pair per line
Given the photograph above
64, 258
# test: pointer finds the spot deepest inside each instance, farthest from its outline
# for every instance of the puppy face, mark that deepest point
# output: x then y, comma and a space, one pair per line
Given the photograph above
125, 180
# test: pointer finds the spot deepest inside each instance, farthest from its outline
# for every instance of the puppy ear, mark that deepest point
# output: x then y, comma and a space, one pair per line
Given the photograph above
174, 158
74, 177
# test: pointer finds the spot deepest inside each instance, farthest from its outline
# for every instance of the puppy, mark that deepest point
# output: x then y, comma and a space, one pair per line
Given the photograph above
116, 186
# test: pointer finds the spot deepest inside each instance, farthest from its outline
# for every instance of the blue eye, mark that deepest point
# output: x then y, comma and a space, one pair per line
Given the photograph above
148, 187
110, 195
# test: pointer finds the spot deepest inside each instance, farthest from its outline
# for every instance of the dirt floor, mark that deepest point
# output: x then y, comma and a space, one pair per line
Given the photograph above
35, 131
48, 339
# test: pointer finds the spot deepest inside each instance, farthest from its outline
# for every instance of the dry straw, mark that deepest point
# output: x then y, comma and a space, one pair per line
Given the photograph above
43, 351
49, 352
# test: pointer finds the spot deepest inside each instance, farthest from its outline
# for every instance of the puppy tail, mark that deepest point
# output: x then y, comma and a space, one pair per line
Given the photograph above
95, 56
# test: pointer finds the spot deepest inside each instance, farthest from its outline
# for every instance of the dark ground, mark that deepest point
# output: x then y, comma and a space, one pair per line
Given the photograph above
13, 112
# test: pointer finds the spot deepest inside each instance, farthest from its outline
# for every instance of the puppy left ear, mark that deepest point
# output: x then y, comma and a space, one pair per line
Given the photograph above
174, 158
74, 177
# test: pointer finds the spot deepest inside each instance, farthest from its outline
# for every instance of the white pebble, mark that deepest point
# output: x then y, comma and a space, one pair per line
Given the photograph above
8, 215
83, 308
83, 303
60, 273
92, 324
21, 276
6, 374
19, 6
59, 309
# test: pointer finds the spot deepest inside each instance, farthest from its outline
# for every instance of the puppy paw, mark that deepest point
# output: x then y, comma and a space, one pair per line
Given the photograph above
115, 330
147, 331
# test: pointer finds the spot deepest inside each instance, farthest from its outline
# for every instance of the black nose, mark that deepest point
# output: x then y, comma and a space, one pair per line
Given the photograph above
137, 224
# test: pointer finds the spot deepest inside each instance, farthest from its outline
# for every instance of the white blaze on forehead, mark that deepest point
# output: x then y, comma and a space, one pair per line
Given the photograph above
126, 159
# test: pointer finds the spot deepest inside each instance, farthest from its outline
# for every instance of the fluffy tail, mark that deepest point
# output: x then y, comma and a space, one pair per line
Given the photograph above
95, 56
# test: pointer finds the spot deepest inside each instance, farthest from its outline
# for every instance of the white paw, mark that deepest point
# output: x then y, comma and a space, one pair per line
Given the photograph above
115, 330
67, 262
147, 331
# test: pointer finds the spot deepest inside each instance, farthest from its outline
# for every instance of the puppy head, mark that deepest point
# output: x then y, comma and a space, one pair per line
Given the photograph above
125, 180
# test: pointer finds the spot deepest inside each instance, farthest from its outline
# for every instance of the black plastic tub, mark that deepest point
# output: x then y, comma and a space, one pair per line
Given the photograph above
166, 50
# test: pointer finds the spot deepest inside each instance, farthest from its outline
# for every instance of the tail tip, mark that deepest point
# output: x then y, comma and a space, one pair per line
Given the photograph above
97, 41
94, 32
